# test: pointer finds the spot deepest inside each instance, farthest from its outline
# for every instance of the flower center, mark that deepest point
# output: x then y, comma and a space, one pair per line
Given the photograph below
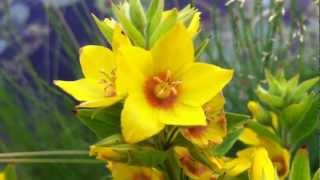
162, 90
109, 82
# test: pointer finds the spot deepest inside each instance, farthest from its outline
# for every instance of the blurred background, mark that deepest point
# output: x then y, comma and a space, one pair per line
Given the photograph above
39, 42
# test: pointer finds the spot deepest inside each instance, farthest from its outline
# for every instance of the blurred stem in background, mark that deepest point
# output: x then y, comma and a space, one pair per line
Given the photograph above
248, 37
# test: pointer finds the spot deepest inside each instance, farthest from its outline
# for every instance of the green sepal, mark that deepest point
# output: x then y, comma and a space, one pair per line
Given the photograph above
227, 144
106, 31
137, 15
134, 34
307, 124
155, 7
300, 168
235, 120
294, 112
10, 173
271, 100
164, 26
103, 122
146, 157
303, 88
186, 14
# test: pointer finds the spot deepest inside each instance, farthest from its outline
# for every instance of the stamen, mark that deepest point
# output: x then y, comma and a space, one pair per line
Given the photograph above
168, 75
157, 79
174, 91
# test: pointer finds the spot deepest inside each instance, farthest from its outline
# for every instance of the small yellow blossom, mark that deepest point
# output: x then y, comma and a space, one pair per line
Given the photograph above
121, 171
166, 86
2, 176
262, 167
100, 85
190, 166
215, 130
279, 156
105, 153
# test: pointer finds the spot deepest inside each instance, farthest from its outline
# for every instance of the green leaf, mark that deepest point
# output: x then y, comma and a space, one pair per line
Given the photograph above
202, 47
133, 33
303, 88
10, 173
263, 131
146, 157
300, 168
103, 122
308, 124
155, 7
164, 26
316, 175
106, 31
227, 143
137, 15
293, 113
271, 100
234, 119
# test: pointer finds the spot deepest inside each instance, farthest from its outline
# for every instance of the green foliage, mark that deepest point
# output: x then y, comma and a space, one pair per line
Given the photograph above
227, 144
10, 173
307, 124
103, 122
300, 168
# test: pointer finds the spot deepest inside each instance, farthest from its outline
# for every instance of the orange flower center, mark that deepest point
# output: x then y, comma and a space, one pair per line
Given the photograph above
162, 90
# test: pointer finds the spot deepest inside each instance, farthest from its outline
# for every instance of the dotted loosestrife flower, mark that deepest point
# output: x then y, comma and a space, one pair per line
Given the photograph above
100, 86
121, 171
166, 86
216, 128
279, 156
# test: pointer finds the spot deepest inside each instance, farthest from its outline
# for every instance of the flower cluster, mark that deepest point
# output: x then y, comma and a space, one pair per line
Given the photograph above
159, 110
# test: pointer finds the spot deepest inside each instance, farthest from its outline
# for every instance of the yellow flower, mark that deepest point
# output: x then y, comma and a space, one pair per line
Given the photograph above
166, 86
2, 176
262, 167
106, 153
121, 171
215, 130
255, 160
100, 86
190, 166
279, 156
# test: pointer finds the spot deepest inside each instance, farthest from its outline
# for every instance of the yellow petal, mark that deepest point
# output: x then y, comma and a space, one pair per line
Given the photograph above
173, 51
209, 135
215, 105
105, 153
138, 120
134, 65
190, 166
83, 89
262, 167
194, 26
236, 166
249, 137
201, 82
2, 176
107, 101
96, 61
119, 39
183, 115
121, 171
278, 155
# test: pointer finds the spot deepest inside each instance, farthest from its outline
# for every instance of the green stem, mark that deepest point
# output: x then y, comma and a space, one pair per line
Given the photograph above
64, 161
44, 153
